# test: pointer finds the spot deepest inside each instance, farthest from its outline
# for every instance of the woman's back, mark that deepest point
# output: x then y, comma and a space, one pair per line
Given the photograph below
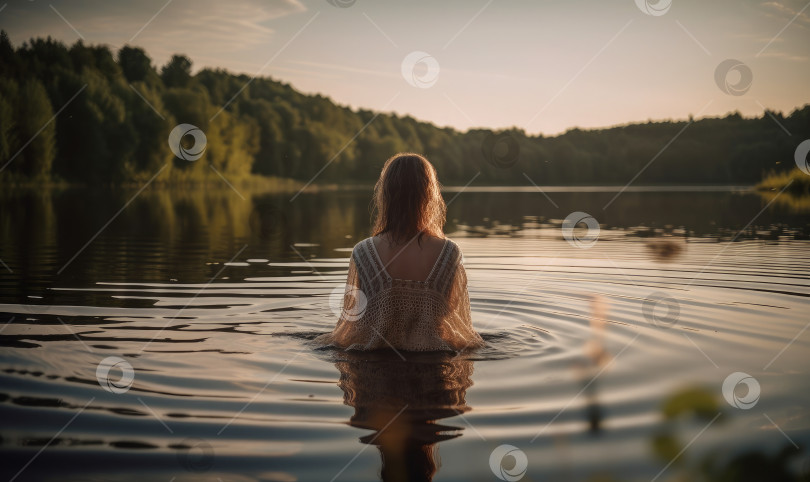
425, 307
411, 261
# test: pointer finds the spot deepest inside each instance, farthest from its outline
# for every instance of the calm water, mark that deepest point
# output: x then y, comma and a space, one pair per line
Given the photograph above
213, 300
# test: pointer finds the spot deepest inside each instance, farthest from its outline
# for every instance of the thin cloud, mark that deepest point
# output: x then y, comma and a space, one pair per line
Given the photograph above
200, 29
345, 68
785, 12
786, 56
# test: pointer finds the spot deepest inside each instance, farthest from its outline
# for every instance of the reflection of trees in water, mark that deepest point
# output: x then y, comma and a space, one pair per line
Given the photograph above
175, 230
401, 402
643, 214
178, 230
798, 203
27, 230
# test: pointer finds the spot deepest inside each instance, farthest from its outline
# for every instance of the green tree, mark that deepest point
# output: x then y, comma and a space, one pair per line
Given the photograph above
177, 72
137, 66
8, 139
34, 117
116, 113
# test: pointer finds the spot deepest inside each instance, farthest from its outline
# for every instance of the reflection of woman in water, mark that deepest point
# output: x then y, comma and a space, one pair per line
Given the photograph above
401, 402
406, 287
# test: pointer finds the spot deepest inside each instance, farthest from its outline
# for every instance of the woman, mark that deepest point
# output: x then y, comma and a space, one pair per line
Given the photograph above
406, 287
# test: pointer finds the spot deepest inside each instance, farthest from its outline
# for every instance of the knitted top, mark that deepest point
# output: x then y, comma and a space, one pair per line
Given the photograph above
384, 312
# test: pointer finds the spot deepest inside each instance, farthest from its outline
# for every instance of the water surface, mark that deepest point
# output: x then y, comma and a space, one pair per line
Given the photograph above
213, 301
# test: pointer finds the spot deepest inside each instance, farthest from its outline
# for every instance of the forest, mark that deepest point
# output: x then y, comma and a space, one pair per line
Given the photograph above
83, 114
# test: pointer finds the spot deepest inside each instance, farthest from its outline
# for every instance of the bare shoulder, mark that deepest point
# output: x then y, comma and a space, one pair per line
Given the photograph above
433, 241
445, 247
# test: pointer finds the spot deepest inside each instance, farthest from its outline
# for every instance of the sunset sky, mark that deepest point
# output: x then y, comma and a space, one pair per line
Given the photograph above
544, 66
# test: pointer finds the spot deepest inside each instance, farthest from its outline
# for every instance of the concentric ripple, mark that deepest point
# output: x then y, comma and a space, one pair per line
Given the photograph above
584, 352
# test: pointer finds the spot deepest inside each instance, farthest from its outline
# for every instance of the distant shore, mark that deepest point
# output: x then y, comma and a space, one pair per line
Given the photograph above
262, 183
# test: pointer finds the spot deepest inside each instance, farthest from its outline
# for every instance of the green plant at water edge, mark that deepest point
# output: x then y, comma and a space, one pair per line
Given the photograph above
794, 187
697, 407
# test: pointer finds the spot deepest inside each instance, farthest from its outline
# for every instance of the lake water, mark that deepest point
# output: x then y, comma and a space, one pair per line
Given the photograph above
207, 301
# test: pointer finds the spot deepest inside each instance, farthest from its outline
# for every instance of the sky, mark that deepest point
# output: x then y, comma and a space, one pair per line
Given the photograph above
542, 66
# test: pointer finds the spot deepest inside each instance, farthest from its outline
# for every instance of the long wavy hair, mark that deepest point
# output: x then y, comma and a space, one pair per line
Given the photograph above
408, 200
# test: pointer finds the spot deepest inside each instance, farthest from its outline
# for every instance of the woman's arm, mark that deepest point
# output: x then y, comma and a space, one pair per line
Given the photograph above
458, 329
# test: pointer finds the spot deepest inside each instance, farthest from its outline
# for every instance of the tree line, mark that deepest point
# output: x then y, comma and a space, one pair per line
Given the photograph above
83, 114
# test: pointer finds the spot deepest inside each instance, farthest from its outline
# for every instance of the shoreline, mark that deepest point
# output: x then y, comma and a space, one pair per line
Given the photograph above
288, 184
